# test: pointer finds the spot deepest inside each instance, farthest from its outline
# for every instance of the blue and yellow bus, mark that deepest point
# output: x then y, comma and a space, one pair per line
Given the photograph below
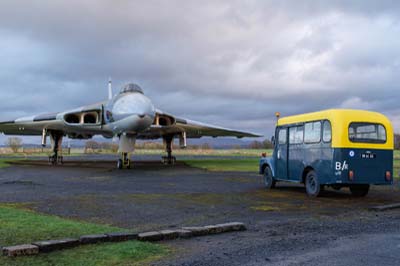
337, 148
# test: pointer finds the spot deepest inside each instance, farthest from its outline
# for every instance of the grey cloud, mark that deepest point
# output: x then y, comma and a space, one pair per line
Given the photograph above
232, 63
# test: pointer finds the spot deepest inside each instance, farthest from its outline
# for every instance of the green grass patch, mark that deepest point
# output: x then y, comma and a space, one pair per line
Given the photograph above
20, 226
234, 165
4, 162
396, 168
109, 254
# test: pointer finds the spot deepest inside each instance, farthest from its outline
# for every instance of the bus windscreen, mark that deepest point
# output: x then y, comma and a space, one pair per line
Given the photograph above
367, 133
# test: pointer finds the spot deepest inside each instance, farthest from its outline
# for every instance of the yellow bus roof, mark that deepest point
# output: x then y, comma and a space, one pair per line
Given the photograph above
340, 120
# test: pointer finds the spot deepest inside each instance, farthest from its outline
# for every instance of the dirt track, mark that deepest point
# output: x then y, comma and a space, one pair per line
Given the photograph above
285, 227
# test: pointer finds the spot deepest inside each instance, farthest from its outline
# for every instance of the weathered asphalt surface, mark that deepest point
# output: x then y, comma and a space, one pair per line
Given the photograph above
285, 227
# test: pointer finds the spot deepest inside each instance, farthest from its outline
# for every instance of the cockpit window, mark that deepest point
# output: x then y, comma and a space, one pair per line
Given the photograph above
131, 88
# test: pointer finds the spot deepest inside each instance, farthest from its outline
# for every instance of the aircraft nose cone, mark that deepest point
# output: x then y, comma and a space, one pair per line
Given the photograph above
134, 112
133, 104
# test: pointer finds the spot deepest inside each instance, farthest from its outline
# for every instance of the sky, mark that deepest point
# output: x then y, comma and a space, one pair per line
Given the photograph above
230, 63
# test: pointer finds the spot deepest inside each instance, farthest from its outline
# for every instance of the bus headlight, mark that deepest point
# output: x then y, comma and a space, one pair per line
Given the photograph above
388, 176
351, 175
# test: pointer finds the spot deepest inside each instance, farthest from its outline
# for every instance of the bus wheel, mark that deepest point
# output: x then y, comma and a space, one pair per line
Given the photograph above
313, 188
359, 190
268, 179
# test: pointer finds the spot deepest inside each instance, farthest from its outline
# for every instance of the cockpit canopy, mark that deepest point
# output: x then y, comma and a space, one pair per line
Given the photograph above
131, 87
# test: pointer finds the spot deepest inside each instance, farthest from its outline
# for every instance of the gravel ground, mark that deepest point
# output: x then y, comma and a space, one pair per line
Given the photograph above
285, 227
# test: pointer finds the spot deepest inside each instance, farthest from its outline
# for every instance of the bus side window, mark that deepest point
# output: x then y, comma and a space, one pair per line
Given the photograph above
312, 132
327, 132
282, 136
296, 135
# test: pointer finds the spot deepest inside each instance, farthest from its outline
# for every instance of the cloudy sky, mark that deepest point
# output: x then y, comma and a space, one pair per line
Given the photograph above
231, 63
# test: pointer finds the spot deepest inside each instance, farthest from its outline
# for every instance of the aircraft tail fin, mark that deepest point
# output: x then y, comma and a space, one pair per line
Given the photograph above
110, 92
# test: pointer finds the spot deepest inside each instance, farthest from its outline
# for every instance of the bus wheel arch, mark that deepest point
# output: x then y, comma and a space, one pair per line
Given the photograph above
263, 167
305, 172
269, 181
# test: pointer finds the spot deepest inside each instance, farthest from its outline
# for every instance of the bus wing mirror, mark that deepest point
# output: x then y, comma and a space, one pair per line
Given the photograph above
273, 141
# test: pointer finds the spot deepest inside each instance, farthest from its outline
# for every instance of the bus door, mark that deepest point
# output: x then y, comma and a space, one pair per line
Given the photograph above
282, 153
296, 153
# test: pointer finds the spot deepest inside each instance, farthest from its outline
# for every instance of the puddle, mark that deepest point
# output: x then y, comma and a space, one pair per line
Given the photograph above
21, 182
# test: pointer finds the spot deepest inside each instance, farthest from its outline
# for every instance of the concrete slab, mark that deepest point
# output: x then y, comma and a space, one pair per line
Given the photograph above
169, 234
51, 245
20, 250
184, 233
214, 229
150, 236
230, 227
93, 239
197, 230
385, 207
122, 236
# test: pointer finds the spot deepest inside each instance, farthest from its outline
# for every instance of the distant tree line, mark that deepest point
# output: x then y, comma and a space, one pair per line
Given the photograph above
266, 144
397, 141
92, 146
14, 143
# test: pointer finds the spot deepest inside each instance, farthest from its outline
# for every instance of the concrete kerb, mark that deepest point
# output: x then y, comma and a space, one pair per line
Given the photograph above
52, 245
163, 235
385, 207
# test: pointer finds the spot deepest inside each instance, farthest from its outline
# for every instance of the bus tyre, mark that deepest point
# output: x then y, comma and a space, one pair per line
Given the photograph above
313, 188
359, 190
268, 178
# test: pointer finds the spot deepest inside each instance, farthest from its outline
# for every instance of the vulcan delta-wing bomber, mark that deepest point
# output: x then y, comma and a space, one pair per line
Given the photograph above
128, 115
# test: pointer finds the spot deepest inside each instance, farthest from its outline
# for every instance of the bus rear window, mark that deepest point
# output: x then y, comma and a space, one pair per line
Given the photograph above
367, 133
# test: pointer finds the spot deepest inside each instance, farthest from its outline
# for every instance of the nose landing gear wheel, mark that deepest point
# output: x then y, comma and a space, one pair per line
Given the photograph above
119, 164
124, 161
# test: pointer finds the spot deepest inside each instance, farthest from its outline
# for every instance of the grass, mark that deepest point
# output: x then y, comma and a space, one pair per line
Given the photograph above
265, 208
211, 152
19, 226
251, 164
127, 253
5, 162
239, 165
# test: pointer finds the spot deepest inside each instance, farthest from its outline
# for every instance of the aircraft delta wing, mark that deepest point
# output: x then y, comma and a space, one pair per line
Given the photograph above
129, 115
190, 128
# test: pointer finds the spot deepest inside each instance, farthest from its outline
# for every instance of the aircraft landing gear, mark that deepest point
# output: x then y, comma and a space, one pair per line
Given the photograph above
126, 147
169, 159
56, 141
55, 159
124, 161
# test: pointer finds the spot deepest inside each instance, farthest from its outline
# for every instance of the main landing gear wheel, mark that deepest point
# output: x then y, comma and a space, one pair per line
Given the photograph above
55, 159
359, 190
56, 139
124, 161
268, 178
168, 160
313, 187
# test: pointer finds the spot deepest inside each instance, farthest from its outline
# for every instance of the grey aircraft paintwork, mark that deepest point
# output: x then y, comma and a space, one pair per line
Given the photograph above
129, 115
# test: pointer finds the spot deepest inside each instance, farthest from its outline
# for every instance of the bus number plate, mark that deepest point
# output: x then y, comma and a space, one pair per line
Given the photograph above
368, 156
